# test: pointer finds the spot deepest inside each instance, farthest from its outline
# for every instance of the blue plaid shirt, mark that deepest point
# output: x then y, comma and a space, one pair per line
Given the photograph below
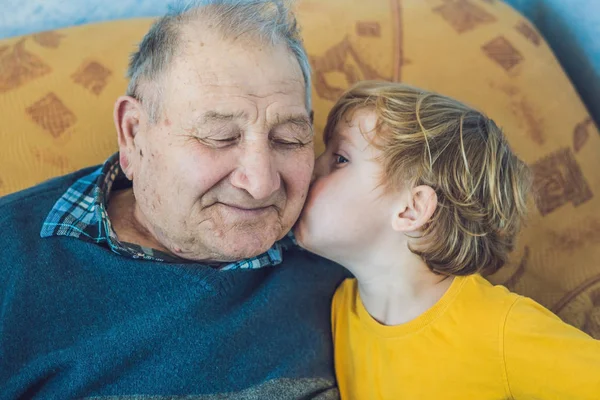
81, 213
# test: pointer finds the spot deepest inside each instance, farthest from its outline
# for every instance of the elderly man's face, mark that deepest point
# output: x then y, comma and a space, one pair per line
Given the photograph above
224, 172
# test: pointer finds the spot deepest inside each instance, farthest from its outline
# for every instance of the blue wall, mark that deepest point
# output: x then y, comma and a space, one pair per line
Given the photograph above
572, 28
20, 17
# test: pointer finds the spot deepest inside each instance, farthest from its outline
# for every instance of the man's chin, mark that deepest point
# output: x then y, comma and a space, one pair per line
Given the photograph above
239, 246
225, 254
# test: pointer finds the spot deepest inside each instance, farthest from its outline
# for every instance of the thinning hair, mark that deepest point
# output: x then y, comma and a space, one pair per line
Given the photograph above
429, 139
267, 21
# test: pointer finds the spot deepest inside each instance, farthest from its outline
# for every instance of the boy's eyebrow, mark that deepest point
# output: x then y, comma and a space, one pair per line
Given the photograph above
344, 138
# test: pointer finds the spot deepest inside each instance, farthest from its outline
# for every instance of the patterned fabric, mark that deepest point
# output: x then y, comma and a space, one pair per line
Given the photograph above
568, 26
81, 213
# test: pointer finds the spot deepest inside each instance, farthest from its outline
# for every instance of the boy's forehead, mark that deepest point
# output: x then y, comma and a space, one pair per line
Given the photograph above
357, 122
358, 132
360, 124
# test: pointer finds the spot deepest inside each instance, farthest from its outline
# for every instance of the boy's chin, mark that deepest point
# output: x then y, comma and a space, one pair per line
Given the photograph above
304, 236
299, 233
307, 241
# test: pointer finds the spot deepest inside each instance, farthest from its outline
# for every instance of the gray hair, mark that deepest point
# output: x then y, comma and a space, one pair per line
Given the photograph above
269, 21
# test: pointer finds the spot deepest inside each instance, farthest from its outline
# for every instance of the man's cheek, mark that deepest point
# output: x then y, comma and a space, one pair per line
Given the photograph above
300, 173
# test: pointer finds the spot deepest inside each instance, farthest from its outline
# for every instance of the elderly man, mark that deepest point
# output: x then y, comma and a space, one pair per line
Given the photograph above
162, 273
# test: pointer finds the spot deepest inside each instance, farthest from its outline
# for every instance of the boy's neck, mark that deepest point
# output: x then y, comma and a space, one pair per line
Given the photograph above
401, 291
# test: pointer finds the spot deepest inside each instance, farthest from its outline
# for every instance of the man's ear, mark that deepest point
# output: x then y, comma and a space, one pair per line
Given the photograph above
127, 114
415, 209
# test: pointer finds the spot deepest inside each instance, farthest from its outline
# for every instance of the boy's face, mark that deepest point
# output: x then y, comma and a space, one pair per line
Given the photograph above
347, 210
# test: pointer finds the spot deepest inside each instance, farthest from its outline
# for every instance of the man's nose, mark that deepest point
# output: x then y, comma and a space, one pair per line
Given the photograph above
256, 172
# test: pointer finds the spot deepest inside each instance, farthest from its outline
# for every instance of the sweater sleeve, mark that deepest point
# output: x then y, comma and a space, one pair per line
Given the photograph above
546, 358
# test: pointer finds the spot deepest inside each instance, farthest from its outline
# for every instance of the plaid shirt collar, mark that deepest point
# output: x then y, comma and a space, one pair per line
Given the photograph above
81, 213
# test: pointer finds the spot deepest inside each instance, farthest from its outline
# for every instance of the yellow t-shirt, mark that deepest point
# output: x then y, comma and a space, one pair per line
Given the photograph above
478, 341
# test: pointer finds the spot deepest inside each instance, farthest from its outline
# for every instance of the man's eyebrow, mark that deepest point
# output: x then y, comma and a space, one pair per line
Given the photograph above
213, 116
299, 120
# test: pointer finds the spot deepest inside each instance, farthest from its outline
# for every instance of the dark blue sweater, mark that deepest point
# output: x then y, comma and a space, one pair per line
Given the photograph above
78, 320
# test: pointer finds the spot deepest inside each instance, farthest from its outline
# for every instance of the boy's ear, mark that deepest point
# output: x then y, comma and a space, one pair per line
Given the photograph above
415, 210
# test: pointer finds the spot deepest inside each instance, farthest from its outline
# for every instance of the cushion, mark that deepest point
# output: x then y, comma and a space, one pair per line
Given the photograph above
57, 90
571, 28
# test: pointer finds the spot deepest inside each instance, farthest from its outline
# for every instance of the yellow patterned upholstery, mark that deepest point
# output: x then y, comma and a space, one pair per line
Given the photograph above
57, 91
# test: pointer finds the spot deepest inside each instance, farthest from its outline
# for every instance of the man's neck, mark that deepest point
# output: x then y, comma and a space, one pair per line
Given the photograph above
397, 292
121, 212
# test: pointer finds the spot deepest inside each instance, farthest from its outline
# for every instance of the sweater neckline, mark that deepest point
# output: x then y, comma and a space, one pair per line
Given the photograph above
423, 320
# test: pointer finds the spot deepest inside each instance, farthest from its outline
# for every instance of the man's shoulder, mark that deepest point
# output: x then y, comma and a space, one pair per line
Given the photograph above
311, 268
35, 203
297, 254
49, 188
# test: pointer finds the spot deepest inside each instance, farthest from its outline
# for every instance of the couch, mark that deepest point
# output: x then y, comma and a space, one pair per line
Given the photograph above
57, 90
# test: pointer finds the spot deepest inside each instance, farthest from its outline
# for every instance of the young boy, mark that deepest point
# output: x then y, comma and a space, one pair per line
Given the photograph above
417, 194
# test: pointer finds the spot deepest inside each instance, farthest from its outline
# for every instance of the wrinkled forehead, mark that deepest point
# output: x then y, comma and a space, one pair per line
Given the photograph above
210, 66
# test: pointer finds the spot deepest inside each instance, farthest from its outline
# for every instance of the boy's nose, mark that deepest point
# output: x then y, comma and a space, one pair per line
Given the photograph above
315, 177
320, 168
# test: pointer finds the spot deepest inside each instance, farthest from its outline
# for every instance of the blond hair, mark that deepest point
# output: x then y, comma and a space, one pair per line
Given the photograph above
429, 139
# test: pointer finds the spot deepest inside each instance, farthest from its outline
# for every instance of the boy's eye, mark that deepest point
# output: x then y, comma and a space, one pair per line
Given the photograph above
339, 159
